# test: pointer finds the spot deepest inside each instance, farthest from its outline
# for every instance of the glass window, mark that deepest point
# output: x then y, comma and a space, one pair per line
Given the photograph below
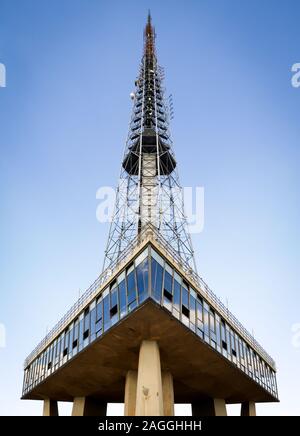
106, 313
185, 295
66, 342
131, 288
49, 365
142, 274
212, 321
218, 333
113, 293
223, 338
233, 347
192, 311
46, 361
212, 327
93, 323
99, 317
268, 377
122, 298
156, 280
249, 360
199, 310
43, 365
32, 378
168, 288
193, 293
75, 337
242, 350
228, 342
177, 295
80, 335
86, 319
86, 327
37, 371
237, 348
114, 313
206, 322
60, 348
185, 304
55, 352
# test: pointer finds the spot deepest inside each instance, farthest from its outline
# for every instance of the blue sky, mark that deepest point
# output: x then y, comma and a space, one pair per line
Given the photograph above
64, 115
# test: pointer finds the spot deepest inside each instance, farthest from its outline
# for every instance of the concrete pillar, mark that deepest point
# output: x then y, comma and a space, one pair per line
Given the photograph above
85, 406
149, 397
168, 393
248, 408
50, 407
130, 393
210, 407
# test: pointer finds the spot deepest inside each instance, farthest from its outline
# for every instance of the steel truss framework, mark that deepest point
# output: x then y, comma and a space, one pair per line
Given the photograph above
149, 190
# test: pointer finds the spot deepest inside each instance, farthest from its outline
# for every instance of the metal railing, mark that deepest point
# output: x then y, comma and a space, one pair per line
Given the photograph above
94, 289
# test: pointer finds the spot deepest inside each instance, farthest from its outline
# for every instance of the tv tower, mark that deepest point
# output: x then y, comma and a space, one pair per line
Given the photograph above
149, 331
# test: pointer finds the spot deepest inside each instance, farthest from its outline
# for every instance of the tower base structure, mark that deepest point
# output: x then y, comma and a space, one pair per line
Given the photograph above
148, 392
145, 337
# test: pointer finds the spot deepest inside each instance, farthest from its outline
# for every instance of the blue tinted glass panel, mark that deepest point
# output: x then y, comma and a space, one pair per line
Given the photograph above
75, 331
218, 333
192, 310
206, 322
131, 288
99, 318
156, 280
185, 297
114, 297
99, 311
168, 282
122, 298
80, 334
114, 312
93, 323
106, 314
86, 320
199, 311
142, 274
67, 336
176, 295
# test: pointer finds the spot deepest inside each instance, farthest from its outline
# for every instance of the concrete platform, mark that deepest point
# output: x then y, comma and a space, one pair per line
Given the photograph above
198, 370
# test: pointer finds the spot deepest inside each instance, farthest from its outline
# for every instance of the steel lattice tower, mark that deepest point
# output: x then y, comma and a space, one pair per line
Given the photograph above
149, 192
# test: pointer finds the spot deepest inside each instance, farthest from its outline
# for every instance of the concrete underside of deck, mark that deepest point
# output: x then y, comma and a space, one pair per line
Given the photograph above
199, 372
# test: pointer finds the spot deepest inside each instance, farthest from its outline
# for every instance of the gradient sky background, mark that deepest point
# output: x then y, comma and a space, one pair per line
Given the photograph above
71, 65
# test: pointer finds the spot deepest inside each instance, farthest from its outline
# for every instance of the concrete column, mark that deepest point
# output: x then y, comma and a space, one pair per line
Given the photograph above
248, 408
210, 407
50, 407
130, 393
168, 393
149, 397
85, 406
